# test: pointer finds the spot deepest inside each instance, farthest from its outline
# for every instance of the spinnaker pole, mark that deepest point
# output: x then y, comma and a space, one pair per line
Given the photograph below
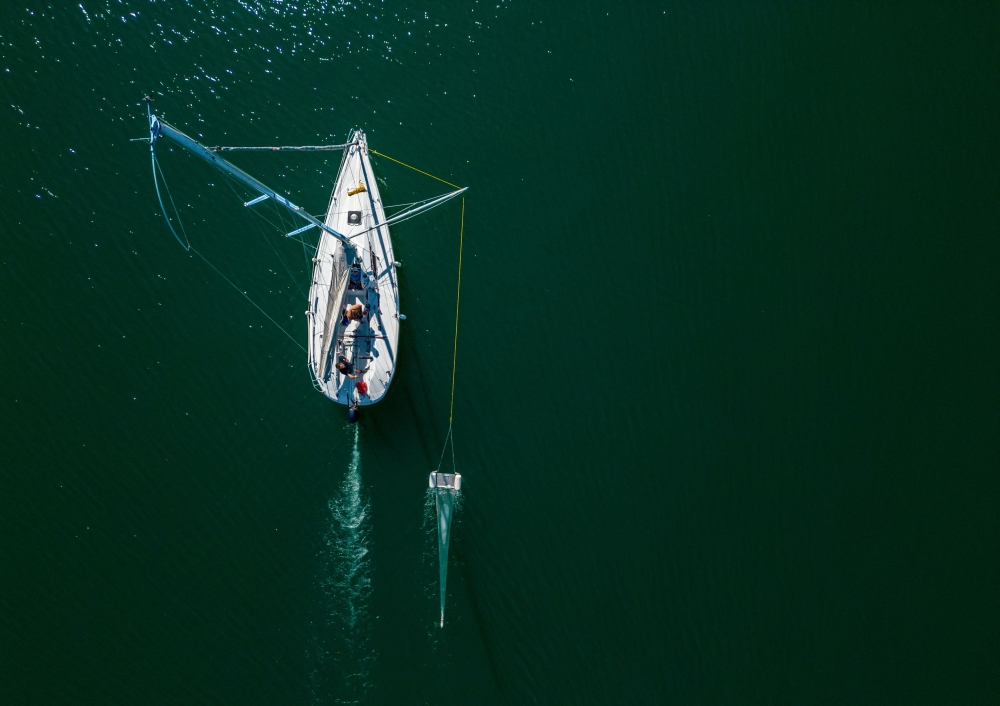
414, 211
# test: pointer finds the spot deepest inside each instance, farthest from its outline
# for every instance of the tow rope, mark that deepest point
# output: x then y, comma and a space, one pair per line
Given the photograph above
454, 356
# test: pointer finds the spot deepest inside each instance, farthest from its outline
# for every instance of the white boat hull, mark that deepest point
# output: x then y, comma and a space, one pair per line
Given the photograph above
369, 345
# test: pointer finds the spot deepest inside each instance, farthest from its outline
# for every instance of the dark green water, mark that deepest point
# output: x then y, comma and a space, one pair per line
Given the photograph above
728, 397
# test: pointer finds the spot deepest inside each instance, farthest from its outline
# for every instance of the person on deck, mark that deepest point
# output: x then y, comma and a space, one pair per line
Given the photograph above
355, 312
345, 367
355, 279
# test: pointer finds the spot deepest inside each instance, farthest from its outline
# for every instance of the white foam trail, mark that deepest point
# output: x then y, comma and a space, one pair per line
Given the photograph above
345, 654
348, 542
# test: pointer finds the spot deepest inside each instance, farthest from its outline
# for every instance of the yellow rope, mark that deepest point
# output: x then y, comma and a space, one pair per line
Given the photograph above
458, 300
414, 169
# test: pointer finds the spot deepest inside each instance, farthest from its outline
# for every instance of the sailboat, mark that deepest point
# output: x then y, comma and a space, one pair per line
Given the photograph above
353, 308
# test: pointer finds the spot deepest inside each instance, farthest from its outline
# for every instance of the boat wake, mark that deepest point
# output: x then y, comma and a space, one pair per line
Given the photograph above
344, 655
440, 508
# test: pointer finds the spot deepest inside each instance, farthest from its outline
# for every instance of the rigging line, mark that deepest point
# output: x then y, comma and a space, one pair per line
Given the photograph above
401, 205
290, 275
458, 300
401, 220
256, 213
284, 228
186, 243
303, 148
284, 232
455, 186
415, 203
454, 358
305, 245
398, 205
280, 229
247, 298
404, 220
429, 198
445, 448
269, 244
305, 255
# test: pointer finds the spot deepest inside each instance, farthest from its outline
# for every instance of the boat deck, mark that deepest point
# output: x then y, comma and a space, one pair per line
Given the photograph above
345, 276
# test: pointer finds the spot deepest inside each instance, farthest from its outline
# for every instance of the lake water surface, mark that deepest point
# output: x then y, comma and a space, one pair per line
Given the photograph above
727, 389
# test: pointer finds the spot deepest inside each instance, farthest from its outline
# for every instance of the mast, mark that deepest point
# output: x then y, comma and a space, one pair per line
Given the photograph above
158, 128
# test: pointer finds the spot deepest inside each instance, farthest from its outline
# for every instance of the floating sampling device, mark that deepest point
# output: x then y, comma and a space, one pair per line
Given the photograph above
446, 487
